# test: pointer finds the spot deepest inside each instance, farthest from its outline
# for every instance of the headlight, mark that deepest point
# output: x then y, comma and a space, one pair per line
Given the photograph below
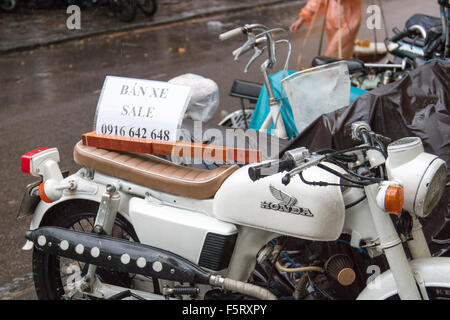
434, 189
422, 174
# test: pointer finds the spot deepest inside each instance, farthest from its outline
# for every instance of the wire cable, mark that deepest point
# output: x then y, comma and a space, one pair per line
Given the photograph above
343, 176
325, 184
299, 269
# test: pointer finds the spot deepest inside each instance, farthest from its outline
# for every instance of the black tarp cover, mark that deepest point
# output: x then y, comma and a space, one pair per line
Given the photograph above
417, 105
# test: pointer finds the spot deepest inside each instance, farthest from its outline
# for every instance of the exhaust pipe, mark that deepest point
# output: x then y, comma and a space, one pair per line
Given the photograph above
131, 257
117, 254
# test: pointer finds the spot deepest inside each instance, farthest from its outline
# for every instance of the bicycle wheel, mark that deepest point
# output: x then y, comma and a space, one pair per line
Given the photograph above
124, 10
148, 7
237, 119
53, 275
45, 4
8, 5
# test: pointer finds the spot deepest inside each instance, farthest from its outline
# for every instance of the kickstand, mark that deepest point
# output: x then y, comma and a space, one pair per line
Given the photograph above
125, 294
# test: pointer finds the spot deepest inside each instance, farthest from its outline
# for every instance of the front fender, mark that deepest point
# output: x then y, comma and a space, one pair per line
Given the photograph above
43, 208
434, 272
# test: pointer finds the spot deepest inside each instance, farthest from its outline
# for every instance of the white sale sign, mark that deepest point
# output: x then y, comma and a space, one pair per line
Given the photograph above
138, 108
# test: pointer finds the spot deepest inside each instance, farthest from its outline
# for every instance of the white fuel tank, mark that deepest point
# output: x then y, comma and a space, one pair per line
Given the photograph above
298, 209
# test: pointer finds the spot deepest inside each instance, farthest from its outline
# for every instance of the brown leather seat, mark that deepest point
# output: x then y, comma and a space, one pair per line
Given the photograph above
154, 172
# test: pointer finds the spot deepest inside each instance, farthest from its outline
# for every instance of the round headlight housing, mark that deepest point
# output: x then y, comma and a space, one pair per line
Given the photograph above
432, 186
423, 175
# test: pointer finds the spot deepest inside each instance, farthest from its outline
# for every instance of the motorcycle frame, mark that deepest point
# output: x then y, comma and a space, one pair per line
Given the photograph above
401, 278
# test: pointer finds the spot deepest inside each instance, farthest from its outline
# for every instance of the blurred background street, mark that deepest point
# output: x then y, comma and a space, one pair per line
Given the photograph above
51, 78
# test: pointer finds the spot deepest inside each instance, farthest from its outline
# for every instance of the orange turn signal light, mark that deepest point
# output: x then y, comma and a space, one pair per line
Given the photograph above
42, 194
393, 199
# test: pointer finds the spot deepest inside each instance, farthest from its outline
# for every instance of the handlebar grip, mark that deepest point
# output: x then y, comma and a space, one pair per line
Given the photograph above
270, 168
255, 172
231, 33
400, 35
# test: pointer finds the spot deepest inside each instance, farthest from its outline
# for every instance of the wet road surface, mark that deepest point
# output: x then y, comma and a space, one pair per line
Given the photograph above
32, 27
49, 96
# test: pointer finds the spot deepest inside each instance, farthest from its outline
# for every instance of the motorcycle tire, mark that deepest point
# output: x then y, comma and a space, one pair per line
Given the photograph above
8, 5
148, 7
124, 10
48, 269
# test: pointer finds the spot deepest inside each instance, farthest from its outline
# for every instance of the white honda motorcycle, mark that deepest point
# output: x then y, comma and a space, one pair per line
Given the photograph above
128, 226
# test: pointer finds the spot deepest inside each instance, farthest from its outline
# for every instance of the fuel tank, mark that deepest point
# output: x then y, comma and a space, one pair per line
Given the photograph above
298, 209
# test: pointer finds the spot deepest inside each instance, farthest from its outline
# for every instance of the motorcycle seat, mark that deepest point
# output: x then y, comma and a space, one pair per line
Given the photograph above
246, 90
425, 21
153, 172
353, 65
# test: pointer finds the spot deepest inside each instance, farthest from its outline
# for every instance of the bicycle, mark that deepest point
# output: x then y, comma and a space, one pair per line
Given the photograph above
258, 43
148, 7
8, 5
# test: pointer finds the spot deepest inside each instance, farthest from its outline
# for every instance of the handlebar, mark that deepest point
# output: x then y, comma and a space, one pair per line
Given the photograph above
399, 35
237, 31
267, 169
312, 161
257, 42
231, 33
289, 161
297, 160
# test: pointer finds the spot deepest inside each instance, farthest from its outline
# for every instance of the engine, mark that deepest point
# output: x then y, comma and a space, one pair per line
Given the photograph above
333, 270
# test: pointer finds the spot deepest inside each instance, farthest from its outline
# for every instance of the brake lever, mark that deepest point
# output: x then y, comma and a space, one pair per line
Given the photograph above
244, 49
255, 56
314, 160
250, 42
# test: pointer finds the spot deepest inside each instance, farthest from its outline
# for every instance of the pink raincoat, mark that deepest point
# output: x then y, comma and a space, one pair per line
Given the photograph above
350, 21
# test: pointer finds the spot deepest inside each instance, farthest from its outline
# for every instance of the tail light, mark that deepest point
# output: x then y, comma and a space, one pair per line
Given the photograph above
25, 160
44, 162
34, 162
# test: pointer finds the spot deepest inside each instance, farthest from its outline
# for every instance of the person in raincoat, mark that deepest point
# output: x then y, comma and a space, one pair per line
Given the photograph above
343, 13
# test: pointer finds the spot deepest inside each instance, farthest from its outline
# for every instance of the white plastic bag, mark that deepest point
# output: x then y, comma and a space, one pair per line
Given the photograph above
205, 96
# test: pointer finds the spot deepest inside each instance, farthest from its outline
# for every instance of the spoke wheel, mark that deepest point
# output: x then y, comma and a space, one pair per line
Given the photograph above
124, 10
8, 5
148, 7
44, 4
56, 276
238, 119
